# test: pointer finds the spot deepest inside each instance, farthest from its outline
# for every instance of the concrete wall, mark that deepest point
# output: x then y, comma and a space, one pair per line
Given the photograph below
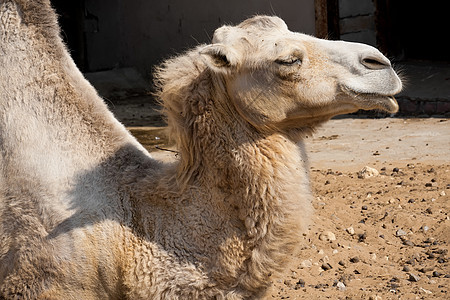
357, 21
140, 33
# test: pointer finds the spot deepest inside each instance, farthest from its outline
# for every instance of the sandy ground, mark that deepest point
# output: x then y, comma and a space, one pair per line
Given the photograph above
382, 237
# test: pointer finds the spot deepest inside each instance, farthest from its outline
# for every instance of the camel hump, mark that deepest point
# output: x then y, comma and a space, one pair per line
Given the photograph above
36, 15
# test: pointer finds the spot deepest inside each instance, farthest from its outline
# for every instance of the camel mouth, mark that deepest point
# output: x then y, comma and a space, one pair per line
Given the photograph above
373, 101
382, 102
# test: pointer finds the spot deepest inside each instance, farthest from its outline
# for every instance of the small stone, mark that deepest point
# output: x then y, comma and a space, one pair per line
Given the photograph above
342, 263
413, 277
442, 193
426, 291
287, 283
364, 207
436, 274
362, 237
425, 269
368, 172
326, 266
327, 236
375, 297
395, 170
400, 232
307, 263
408, 243
425, 228
340, 286
354, 259
429, 210
406, 269
350, 230
300, 284
394, 279
411, 201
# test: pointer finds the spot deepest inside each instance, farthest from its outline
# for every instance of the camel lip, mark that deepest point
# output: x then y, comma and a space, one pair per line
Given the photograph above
382, 102
370, 101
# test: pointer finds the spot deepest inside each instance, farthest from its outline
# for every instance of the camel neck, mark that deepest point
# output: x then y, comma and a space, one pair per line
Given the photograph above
263, 177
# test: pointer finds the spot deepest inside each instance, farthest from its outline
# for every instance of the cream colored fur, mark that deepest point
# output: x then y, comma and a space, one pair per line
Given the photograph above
86, 213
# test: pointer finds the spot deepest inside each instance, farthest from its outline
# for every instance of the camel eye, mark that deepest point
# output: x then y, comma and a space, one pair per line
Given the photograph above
289, 62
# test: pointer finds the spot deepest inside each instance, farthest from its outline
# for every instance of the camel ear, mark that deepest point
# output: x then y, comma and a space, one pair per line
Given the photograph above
219, 57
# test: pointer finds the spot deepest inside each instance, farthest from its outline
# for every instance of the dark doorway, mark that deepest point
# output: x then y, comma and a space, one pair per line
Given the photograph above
71, 20
413, 30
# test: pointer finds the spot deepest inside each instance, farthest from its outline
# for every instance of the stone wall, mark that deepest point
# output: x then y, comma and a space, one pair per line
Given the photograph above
357, 21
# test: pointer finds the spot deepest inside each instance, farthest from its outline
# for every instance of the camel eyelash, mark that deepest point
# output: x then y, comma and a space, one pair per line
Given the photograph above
289, 62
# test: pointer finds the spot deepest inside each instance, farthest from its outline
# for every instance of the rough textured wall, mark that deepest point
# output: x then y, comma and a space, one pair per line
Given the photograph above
357, 21
141, 33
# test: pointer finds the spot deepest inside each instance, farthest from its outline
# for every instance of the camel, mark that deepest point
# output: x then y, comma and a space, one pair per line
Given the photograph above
87, 213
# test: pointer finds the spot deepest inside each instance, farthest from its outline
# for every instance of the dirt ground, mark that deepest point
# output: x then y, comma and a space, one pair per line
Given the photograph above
382, 237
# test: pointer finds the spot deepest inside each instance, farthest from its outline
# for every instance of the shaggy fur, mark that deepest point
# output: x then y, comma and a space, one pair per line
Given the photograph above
86, 213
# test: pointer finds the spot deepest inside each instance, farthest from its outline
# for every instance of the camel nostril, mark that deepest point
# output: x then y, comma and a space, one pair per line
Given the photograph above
375, 63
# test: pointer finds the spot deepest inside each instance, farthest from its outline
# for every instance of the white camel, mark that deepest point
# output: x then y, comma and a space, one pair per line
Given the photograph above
86, 213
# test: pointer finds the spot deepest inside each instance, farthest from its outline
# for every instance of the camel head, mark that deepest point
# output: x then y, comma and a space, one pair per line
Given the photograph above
281, 79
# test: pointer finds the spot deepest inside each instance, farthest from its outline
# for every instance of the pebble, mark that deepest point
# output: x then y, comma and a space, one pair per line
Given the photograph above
362, 237
288, 283
354, 259
426, 291
326, 266
425, 269
400, 232
406, 269
413, 277
350, 230
341, 286
307, 263
436, 274
408, 243
368, 172
364, 207
300, 283
327, 236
